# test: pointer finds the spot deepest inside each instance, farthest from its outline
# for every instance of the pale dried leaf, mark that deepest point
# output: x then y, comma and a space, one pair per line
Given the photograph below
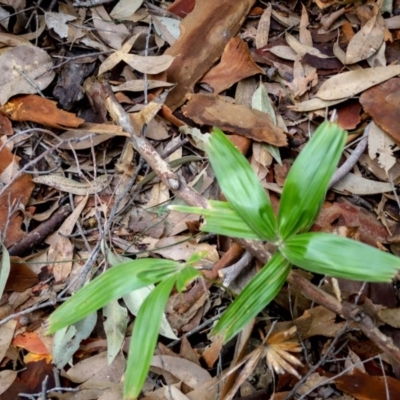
112, 34
59, 22
302, 49
381, 146
358, 185
366, 41
263, 28
351, 83
7, 377
70, 186
285, 52
24, 61
188, 372
148, 65
125, 8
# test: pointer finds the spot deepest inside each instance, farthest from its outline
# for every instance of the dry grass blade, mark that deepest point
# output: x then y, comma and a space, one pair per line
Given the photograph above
276, 349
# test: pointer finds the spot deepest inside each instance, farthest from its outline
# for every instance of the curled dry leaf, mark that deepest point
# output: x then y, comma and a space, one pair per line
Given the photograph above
38, 109
213, 110
236, 64
24, 69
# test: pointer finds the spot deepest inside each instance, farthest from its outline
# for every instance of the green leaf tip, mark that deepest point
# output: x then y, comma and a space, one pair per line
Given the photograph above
307, 182
258, 293
241, 186
340, 257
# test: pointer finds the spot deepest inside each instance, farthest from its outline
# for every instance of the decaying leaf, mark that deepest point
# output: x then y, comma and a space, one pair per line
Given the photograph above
213, 110
40, 110
236, 64
382, 103
19, 67
218, 22
367, 40
71, 186
381, 146
351, 83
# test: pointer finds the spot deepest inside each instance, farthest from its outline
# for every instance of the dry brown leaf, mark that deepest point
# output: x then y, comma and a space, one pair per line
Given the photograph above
70, 186
236, 64
61, 250
367, 40
38, 109
213, 110
382, 103
358, 185
19, 191
21, 276
263, 28
113, 34
351, 83
381, 146
188, 372
367, 387
25, 69
218, 22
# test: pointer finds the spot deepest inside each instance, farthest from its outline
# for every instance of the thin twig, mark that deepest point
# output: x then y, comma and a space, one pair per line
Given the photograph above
351, 161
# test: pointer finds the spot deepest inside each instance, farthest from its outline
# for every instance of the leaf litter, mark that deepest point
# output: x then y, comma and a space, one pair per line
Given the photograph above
73, 188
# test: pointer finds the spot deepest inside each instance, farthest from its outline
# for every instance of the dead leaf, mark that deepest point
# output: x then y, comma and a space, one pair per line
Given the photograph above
367, 387
188, 372
72, 186
113, 34
38, 109
22, 65
263, 28
367, 40
213, 110
356, 184
381, 146
18, 192
351, 83
382, 103
61, 250
236, 64
21, 276
218, 22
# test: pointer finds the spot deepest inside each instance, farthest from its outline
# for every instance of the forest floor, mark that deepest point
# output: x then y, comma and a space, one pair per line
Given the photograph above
78, 192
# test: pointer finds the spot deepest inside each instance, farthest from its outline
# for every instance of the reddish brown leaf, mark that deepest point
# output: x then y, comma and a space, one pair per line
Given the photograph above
205, 32
30, 341
236, 64
349, 115
382, 103
343, 213
6, 157
40, 110
213, 110
367, 387
21, 276
5, 126
182, 7
19, 191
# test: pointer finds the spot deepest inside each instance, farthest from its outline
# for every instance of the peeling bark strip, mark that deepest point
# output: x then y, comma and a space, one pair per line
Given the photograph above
213, 110
205, 32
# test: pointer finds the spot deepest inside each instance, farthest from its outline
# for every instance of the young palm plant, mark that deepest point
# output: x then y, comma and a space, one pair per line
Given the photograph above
247, 214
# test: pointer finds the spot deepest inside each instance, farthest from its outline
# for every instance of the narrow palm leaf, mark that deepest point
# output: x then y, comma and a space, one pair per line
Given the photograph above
240, 186
340, 257
144, 337
111, 285
260, 291
220, 218
308, 179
